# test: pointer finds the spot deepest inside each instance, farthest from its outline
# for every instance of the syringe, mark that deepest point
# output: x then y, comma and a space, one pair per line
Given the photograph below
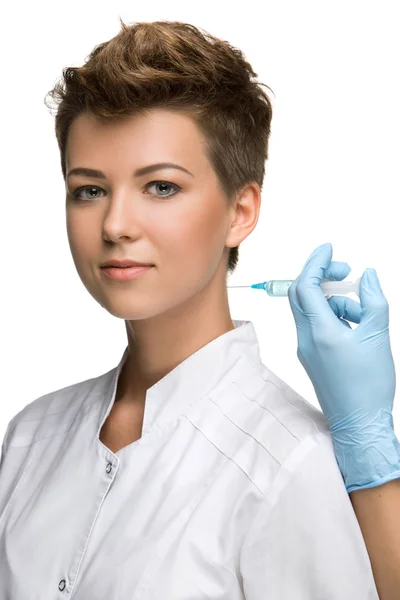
279, 287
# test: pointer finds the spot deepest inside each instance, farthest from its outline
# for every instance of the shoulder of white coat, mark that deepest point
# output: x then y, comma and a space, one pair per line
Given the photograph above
47, 412
262, 424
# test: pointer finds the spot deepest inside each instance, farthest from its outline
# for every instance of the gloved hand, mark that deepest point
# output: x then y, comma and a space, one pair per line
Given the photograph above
352, 370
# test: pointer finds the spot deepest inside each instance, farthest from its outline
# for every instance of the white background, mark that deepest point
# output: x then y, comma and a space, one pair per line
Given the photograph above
332, 174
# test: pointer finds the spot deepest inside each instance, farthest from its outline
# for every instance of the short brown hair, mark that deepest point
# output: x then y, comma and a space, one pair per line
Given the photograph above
175, 65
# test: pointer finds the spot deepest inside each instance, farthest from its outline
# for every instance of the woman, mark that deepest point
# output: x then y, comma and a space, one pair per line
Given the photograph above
190, 470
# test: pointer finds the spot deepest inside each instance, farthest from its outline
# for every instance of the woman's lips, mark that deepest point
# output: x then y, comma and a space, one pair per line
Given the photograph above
125, 273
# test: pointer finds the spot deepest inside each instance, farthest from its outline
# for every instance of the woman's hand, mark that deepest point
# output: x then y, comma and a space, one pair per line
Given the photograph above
352, 370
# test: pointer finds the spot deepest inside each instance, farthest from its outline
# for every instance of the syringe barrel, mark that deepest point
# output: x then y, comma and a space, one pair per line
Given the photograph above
278, 287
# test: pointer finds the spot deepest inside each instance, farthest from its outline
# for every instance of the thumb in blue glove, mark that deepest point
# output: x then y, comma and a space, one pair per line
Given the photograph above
352, 371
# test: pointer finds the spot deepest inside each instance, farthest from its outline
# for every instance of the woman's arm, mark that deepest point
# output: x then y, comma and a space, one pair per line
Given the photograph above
378, 513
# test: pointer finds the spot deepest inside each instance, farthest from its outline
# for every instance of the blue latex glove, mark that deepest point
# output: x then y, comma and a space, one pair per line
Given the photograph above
352, 370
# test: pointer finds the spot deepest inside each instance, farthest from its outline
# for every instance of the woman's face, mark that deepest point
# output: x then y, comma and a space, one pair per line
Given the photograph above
183, 231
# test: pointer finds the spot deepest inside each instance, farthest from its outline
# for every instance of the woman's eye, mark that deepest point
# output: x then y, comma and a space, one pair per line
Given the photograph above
162, 185
83, 189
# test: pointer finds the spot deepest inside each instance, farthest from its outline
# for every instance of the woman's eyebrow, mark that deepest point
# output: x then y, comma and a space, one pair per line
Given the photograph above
142, 171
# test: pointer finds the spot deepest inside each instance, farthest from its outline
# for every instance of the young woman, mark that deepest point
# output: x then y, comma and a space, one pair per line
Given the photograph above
190, 470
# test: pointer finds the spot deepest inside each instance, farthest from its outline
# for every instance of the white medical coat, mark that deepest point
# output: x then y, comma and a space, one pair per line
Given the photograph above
232, 492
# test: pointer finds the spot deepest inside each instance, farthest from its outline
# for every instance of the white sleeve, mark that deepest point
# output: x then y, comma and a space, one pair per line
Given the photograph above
306, 543
5, 443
